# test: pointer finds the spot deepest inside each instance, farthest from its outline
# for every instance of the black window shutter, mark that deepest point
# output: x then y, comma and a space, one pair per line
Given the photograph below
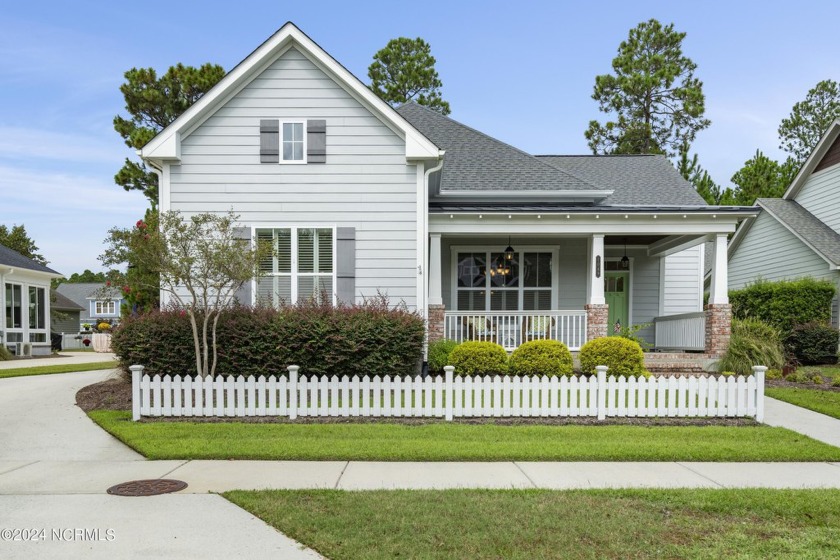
345, 253
269, 141
316, 141
243, 294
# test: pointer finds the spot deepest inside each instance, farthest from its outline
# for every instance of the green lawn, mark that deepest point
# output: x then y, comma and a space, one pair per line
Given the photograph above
58, 368
443, 441
826, 402
527, 524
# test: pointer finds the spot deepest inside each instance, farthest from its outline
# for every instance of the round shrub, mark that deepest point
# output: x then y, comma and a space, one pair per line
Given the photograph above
541, 357
479, 358
624, 357
439, 351
813, 343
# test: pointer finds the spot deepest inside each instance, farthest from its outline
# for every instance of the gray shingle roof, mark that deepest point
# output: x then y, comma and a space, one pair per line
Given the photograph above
822, 238
10, 257
639, 179
79, 293
477, 162
63, 303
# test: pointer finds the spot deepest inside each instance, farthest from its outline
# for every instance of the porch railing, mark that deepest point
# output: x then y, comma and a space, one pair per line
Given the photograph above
686, 331
512, 328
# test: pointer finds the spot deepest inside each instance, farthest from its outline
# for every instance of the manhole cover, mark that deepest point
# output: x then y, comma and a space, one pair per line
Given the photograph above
151, 487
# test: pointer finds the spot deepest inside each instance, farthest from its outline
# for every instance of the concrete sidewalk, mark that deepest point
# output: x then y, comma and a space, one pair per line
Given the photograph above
56, 464
812, 424
63, 358
94, 477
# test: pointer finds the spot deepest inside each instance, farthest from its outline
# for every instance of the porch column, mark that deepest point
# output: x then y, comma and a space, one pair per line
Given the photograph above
597, 310
436, 308
718, 311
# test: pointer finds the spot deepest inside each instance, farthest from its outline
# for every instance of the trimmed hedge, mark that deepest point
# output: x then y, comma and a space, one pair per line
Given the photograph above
479, 358
813, 343
752, 343
439, 352
541, 357
366, 339
623, 357
784, 304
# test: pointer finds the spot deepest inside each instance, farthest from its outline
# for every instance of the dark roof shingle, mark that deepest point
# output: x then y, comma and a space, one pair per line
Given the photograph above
475, 161
9, 257
634, 179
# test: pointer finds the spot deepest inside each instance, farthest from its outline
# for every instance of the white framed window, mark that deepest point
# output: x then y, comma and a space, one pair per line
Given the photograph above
293, 142
14, 306
105, 308
485, 281
302, 266
37, 310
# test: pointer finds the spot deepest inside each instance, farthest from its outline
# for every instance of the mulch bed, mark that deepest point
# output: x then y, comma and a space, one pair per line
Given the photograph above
115, 394
111, 394
812, 386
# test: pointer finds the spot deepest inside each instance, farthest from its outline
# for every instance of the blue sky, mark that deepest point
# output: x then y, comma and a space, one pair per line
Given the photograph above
520, 71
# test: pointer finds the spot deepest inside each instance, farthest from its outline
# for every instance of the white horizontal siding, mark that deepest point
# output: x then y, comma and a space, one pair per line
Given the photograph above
770, 251
682, 289
821, 196
365, 183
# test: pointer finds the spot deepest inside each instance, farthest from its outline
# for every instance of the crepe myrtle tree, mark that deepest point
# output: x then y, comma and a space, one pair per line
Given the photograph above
202, 260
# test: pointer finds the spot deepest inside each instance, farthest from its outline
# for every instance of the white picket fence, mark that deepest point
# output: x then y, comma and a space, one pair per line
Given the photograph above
449, 396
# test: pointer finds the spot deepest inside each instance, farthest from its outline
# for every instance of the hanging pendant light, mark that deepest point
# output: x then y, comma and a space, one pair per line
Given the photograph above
625, 262
509, 251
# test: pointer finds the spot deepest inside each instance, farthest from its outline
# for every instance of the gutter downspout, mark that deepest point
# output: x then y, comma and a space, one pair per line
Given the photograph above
425, 234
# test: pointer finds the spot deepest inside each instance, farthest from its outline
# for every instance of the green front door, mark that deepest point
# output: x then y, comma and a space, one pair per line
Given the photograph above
616, 290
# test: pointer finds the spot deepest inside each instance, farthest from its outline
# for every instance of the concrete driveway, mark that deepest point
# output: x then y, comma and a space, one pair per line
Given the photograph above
55, 465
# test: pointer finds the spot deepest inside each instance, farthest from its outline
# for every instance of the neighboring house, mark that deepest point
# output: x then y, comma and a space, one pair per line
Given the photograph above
66, 314
798, 235
97, 301
483, 239
24, 298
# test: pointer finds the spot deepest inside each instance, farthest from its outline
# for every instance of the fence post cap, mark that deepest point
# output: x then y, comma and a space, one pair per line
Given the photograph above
448, 368
759, 369
293, 368
137, 368
602, 368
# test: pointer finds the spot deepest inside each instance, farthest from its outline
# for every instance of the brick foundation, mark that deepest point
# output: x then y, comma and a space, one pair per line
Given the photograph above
436, 319
597, 317
718, 328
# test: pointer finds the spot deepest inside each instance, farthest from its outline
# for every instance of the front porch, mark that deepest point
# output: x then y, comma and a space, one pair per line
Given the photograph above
574, 288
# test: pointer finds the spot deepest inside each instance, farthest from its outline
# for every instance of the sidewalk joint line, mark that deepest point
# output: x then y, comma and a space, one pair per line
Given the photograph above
20, 467
715, 482
174, 469
344, 468
524, 474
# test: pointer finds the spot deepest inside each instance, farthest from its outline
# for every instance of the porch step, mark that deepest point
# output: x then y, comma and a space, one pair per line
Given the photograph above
677, 362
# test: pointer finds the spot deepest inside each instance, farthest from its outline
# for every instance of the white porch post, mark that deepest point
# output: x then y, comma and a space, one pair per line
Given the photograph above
597, 311
596, 271
719, 287
435, 281
718, 312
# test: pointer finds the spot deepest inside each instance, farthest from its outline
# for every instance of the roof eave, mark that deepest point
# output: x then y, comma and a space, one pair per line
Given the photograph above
813, 160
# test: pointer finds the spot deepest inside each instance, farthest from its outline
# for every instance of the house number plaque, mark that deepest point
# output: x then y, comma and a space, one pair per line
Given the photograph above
598, 266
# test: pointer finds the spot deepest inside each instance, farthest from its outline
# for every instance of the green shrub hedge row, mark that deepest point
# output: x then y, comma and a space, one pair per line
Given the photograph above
367, 339
784, 304
539, 357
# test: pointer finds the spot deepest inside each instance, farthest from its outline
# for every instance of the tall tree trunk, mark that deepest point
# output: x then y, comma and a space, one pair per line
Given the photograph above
204, 339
